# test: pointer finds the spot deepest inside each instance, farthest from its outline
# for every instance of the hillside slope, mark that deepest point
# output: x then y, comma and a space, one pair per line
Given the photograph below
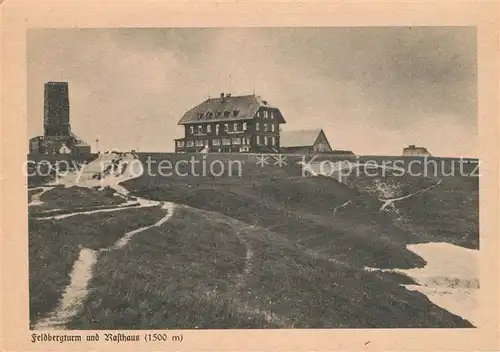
267, 248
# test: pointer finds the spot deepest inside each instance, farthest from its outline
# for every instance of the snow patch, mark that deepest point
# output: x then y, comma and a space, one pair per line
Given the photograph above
35, 198
450, 279
108, 170
131, 204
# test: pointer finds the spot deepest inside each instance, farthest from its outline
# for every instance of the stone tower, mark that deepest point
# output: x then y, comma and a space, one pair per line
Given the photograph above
56, 110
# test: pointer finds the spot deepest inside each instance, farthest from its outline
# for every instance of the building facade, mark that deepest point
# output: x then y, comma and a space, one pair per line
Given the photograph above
231, 124
57, 136
305, 142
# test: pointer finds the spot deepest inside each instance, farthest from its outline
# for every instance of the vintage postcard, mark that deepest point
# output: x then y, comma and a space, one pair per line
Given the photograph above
232, 176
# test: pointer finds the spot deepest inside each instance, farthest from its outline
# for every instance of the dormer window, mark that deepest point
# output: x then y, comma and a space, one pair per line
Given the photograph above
235, 113
226, 113
200, 115
217, 114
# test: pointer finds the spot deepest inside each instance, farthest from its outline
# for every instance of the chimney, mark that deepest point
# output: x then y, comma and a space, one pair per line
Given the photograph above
228, 95
221, 96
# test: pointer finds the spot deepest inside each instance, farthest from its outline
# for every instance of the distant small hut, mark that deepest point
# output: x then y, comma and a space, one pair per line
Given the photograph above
412, 150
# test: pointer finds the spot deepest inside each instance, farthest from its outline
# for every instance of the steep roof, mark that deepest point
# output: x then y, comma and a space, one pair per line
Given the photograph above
412, 150
241, 107
299, 138
63, 145
413, 147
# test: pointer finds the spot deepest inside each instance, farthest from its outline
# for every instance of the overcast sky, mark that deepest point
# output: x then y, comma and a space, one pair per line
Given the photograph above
372, 90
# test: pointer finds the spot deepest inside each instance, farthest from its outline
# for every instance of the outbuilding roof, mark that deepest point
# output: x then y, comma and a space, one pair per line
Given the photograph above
299, 138
227, 107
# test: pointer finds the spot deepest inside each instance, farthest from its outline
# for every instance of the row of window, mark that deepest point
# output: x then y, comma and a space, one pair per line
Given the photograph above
231, 141
261, 140
265, 140
208, 128
265, 114
265, 127
217, 114
232, 149
202, 129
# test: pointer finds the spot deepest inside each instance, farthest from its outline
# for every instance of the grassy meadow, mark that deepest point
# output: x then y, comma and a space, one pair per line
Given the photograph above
207, 270
54, 246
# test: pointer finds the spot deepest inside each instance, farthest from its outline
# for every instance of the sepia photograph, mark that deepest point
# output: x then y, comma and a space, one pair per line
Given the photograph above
253, 178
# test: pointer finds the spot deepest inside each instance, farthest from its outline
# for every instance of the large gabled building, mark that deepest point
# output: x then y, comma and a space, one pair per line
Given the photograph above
231, 124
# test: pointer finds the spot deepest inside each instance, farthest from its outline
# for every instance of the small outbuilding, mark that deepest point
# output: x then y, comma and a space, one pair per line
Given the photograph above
304, 141
412, 150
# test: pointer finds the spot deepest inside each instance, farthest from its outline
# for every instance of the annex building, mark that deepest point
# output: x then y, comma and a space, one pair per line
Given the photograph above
305, 141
